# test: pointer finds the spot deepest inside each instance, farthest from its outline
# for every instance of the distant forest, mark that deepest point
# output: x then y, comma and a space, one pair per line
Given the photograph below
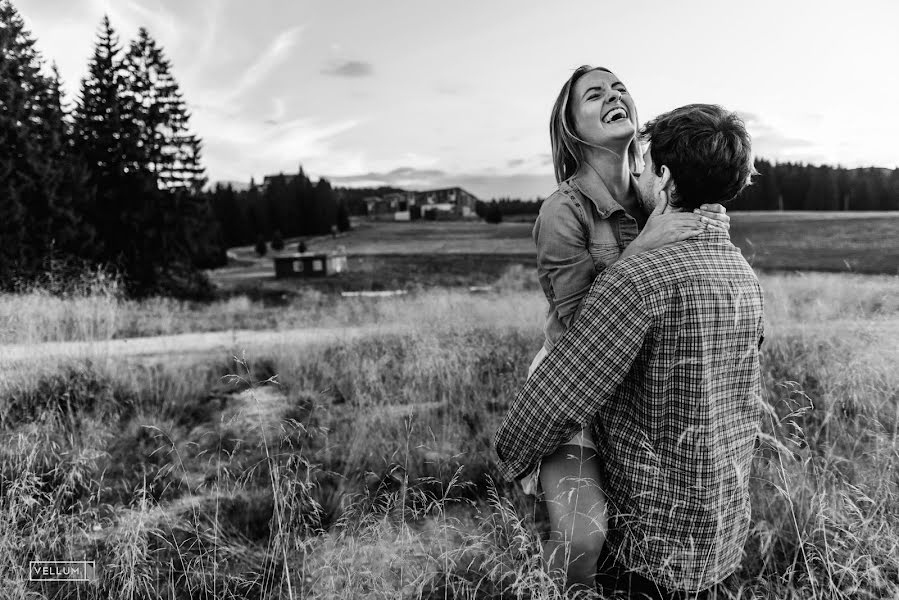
778, 186
116, 181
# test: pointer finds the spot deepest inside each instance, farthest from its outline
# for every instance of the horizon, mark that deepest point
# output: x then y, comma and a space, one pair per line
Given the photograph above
532, 198
340, 92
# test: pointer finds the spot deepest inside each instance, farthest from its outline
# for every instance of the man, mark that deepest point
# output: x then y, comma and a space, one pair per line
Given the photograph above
663, 363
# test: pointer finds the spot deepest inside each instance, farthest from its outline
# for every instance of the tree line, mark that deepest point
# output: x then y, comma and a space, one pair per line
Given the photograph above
284, 206
796, 186
778, 186
116, 180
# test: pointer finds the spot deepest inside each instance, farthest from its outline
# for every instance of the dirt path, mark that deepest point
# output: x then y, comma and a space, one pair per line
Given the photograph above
180, 346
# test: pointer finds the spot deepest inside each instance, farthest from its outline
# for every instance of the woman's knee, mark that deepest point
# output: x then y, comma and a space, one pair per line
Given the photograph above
587, 543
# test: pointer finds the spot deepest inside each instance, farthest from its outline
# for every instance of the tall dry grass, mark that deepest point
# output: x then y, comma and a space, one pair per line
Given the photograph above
363, 467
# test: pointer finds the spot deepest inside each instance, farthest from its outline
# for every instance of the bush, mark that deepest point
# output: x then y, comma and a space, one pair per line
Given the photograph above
493, 213
277, 241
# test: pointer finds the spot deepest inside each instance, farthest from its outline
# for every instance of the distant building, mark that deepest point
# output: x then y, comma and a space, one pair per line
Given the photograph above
287, 179
390, 207
309, 264
446, 203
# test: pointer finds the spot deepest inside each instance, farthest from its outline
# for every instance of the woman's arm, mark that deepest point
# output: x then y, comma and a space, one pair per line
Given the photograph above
664, 227
563, 255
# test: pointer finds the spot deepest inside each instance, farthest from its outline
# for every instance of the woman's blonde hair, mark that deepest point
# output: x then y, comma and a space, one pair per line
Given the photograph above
566, 145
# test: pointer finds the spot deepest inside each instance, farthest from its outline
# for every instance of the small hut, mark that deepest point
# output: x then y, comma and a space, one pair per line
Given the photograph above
309, 264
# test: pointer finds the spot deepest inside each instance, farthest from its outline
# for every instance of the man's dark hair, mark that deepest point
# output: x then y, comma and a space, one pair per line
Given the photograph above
707, 150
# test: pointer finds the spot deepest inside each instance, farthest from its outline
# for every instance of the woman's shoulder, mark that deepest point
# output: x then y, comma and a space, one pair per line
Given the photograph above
561, 213
565, 197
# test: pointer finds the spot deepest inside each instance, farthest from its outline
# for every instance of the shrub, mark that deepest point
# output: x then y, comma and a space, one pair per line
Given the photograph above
261, 247
277, 241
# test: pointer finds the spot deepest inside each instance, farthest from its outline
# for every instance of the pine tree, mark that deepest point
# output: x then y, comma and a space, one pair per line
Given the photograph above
152, 101
20, 159
324, 207
276, 199
229, 216
303, 201
43, 184
107, 143
343, 216
255, 214
66, 231
823, 193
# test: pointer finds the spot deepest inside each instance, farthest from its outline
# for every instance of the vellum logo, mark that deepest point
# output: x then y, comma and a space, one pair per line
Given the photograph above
61, 570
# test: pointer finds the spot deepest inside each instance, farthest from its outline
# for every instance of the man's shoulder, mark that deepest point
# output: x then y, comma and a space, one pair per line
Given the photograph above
714, 259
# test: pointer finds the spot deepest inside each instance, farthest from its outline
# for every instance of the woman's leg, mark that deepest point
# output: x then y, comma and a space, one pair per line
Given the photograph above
577, 513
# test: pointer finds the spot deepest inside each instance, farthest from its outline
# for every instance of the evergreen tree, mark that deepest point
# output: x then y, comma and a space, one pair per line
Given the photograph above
255, 213
229, 216
277, 240
304, 201
106, 142
823, 193
892, 192
343, 216
325, 207
276, 199
39, 213
20, 160
772, 198
153, 103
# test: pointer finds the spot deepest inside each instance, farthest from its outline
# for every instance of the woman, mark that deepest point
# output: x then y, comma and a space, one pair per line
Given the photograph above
594, 218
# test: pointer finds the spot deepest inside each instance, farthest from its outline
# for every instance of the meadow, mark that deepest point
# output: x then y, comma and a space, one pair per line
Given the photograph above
358, 464
424, 254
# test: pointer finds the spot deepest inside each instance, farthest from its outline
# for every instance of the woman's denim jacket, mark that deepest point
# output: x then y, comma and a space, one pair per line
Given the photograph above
579, 232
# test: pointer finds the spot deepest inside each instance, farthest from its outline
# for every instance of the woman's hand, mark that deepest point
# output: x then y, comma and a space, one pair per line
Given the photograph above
715, 215
665, 227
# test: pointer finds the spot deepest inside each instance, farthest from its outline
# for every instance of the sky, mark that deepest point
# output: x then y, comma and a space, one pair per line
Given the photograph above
422, 94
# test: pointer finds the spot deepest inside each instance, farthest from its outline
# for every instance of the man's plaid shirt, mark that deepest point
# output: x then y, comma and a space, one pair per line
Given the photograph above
663, 362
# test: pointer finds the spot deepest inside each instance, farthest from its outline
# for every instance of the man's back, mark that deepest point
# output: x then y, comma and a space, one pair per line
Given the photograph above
676, 436
663, 360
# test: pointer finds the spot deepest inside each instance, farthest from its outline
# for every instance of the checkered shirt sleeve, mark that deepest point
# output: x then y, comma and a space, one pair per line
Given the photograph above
578, 375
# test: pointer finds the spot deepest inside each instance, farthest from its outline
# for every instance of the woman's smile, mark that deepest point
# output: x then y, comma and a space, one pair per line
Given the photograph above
616, 113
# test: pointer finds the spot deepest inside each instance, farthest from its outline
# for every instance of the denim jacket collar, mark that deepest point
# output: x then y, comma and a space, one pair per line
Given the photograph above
598, 193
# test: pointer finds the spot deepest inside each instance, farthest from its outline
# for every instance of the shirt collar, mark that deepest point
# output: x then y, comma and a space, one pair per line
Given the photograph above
594, 189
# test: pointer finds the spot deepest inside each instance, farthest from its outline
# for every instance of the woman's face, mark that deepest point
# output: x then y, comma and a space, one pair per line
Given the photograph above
603, 111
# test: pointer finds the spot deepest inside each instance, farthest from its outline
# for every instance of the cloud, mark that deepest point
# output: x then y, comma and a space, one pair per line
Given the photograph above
300, 140
398, 176
273, 55
205, 49
157, 19
766, 138
515, 162
278, 113
349, 68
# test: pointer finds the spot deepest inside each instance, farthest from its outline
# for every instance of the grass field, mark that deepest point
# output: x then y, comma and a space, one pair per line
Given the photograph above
425, 254
341, 447
361, 466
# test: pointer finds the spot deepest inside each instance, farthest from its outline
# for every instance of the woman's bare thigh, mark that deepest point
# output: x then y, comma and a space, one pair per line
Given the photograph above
572, 489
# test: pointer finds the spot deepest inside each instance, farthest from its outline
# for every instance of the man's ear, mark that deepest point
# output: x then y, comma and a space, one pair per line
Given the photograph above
666, 186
